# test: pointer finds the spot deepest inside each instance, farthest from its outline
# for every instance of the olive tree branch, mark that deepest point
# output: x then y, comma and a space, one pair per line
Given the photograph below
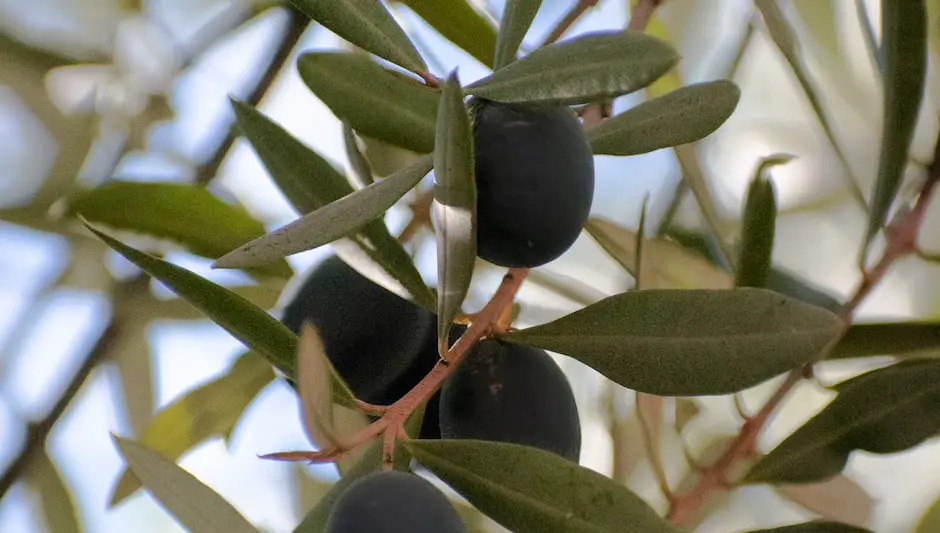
900, 241
391, 424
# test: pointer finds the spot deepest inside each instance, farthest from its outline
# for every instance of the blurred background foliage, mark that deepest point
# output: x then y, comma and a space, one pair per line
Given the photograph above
98, 90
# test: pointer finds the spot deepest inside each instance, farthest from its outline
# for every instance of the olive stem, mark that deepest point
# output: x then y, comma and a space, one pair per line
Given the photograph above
900, 241
568, 20
391, 424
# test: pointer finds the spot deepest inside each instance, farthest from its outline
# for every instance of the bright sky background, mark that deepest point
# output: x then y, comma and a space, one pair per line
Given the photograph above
43, 336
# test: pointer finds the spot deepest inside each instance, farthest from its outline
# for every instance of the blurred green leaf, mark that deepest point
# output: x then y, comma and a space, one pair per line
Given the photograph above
362, 170
929, 522
368, 25
784, 37
455, 198
904, 49
891, 338
330, 222
781, 281
374, 101
309, 182
527, 490
182, 213
513, 25
198, 508
592, 67
460, 24
838, 498
683, 116
686, 410
816, 526
210, 410
324, 397
315, 520
249, 324
639, 272
883, 411
668, 265
689, 342
58, 505
758, 227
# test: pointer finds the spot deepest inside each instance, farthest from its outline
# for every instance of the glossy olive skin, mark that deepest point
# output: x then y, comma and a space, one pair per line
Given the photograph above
535, 181
511, 393
373, 337
393, 502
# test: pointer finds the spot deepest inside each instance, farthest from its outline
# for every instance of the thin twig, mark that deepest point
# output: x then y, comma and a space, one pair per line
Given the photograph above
566, 22
296, 25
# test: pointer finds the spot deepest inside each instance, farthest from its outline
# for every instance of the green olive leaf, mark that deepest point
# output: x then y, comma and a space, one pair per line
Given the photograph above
198, 508
179, 212
581, 70
251, 325
530, 490
899, 338
904, 51
455, 201
816, 526
758, 227
689, 342
330, 222
368, 25
210, 410
310, 182
883, 411
374, 101
460, 23
513, 25
362, 169
683, 116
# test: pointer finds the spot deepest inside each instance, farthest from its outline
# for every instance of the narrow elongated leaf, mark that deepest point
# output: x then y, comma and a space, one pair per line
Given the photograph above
883, 411
694, 175
362, 169
689, 342
460, 23
667, 265
198, 508
866, 340
368, 25
210, 410
323, 399
373, 100
816, 526
309, 182
683, 116
904, 49
251, 325
784, 37
455, 202
513, 25
179, 212
758, 227
315, 520
329, 223
785, 283
929, 522
57, 503
838, 498
529, 490
585, 69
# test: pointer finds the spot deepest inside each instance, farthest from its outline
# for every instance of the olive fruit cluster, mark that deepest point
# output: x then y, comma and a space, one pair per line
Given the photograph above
383, 345
534, 178
393, 502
